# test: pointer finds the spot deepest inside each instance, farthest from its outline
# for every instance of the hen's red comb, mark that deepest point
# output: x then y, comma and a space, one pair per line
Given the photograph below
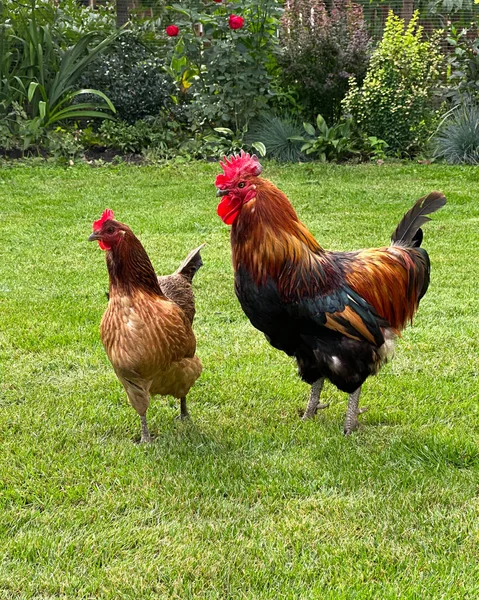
107, 214
237, 165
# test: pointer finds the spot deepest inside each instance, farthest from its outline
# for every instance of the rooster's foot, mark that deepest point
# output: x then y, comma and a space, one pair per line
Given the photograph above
310, 414
351, 422
313, 404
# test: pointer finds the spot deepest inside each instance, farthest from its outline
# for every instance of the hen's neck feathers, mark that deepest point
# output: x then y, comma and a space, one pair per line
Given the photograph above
130, 268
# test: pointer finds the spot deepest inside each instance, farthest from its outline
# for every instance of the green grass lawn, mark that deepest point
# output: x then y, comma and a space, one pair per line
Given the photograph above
246, 500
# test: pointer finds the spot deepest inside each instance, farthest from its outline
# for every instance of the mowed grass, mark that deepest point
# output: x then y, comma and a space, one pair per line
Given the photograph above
245, 501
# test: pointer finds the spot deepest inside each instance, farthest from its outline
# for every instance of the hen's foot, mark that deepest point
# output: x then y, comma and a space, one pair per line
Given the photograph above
183, 416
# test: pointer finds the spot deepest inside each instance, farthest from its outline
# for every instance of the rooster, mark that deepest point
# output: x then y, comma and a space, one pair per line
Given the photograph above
336, 313
147, 327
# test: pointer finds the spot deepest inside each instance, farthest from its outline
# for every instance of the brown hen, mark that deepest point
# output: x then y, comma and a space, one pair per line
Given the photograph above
146, 329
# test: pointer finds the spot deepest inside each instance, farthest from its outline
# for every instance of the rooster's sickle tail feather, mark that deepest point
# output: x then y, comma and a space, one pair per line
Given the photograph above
409, 233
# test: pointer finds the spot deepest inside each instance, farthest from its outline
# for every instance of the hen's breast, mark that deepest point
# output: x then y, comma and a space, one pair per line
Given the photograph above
145, 334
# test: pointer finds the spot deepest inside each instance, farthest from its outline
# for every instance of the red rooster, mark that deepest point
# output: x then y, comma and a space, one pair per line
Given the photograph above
336, 313
146, 329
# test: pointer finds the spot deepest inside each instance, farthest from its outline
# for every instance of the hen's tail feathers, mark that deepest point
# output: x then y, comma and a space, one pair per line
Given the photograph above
409, 233
191, 264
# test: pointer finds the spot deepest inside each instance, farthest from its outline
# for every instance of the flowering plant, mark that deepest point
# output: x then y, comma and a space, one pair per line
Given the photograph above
223, 59
236, 22
172, 30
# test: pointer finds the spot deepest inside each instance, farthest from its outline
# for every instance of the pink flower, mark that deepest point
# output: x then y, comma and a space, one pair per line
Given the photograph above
218, 1
172, 30
236, 22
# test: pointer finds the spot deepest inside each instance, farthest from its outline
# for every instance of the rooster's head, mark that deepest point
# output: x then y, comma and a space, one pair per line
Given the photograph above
108, 232
236, 184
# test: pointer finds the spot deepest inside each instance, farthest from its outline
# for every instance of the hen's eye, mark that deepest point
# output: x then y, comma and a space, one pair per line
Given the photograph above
110, 230
242, 184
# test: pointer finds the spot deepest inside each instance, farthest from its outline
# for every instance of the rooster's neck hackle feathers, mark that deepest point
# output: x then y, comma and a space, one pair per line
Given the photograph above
270, 241
130, 268
408, 233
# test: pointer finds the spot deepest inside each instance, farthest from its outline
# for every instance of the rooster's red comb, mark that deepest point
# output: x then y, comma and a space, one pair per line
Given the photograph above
107, 214
237, 165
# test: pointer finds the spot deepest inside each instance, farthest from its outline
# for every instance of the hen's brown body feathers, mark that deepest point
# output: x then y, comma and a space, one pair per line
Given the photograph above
148, 337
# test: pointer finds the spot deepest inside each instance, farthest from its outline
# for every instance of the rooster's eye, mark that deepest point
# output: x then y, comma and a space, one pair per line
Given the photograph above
242, 184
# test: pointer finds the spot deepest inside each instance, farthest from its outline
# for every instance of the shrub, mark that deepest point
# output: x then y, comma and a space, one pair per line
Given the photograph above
457, 140
223, 65
275, 133
463, 64
320, 51
395, 102
133, 78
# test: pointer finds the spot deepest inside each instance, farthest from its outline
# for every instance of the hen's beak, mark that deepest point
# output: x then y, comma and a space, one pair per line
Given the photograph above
94, 237
222, 193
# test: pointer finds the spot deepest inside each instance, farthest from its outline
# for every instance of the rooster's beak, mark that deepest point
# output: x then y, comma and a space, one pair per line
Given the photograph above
94, 237
222, 193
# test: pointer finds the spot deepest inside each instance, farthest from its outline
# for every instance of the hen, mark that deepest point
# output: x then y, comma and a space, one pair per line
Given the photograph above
146, 329
336, 313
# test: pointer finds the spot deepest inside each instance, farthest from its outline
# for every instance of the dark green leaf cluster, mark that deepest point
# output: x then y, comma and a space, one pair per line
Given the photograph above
133, 77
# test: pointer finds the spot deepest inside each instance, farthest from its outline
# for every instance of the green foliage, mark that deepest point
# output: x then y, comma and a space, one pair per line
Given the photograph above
39, 78
321, 50
457, 140
334, 143
225, 73
224, 141
133, 78
462, 64
278, 134
395, 100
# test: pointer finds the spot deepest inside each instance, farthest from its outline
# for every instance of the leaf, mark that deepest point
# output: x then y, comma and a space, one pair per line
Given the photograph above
309, 128
260, 148
31, 89
224, 130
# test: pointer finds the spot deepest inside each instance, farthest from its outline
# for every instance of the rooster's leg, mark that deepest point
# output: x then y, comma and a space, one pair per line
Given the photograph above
313, 404
351, 423
184, 414
145, 434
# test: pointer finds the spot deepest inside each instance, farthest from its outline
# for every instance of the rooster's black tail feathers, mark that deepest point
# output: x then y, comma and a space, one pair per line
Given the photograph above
408, 232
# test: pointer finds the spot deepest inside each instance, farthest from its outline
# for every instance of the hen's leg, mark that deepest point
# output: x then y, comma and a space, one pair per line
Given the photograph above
351, 422
184, 414
145, 434
139, 398
313, 404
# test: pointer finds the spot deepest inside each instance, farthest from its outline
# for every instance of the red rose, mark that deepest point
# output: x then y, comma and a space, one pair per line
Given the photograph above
219, 1
236, 22
172, 30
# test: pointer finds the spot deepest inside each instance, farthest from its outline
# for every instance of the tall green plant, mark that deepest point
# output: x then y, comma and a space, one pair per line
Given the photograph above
395, 102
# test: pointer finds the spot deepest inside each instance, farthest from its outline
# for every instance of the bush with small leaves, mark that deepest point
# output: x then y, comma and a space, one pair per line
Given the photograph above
395, 101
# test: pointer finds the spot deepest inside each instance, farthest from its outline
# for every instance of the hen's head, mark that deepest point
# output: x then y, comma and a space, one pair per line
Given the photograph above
237, 184
108, 232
